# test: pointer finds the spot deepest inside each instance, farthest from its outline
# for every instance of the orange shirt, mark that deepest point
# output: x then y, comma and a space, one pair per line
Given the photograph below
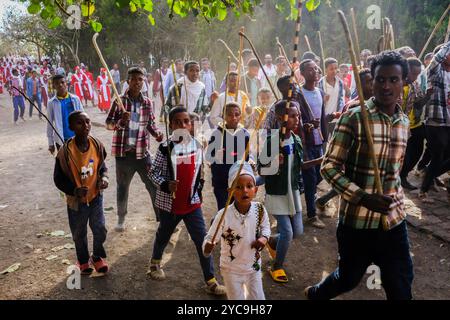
84, 167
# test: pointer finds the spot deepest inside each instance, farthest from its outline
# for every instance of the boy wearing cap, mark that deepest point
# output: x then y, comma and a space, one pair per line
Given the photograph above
244, 233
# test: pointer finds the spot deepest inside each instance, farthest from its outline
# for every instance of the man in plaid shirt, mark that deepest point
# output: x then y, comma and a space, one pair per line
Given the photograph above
437, 119
130, 143
349, 169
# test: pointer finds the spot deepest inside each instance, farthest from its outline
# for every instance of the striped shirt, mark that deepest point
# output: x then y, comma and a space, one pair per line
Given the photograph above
349, 169
146, 125
437, 113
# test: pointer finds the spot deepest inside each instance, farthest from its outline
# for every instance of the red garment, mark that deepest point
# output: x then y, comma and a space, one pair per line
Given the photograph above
77, 83
185, 175
88, 81
104, 93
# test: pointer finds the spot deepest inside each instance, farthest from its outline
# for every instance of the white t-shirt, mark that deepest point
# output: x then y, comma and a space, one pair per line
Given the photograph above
333, 91
236, 235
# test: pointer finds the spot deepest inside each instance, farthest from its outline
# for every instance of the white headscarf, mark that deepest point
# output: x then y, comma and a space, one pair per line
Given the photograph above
194, 89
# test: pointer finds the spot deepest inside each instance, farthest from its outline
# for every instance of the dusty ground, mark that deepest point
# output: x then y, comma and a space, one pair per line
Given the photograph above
34, 206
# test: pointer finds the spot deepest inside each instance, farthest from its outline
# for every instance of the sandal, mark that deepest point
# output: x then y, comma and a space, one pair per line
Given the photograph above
155, 272
85, 268
100, 265
216, 289
278, 275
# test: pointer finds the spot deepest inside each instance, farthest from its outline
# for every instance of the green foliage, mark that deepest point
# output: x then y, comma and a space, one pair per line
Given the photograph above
208, 9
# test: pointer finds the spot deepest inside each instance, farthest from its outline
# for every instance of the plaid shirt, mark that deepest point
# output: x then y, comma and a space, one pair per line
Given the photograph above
161, 175
146, 125
437, 112
349, 169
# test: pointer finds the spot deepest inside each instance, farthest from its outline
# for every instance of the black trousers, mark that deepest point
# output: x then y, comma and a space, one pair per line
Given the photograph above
414, 150
439, 143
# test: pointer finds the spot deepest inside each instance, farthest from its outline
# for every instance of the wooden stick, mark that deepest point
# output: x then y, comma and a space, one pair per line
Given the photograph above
434, 32
177, 92
307, 43
283, 54
380, 44
241, 68
392, 38
225, 101
448, 32
364, 114
323, 62
388, 34
260, 64
291, 79
355, 32
103, 62
233, 185
166, 124
228, 49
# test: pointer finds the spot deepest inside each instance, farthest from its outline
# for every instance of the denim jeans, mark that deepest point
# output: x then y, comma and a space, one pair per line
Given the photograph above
35, 98
195, 225
18, 103
288, 227
358, 249
126, 167
311, 178
78, 221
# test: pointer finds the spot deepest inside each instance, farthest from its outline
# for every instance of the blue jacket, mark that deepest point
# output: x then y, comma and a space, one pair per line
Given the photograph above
54, 114
30, 87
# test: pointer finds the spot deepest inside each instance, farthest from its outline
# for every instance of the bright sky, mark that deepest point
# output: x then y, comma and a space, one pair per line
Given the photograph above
5, 4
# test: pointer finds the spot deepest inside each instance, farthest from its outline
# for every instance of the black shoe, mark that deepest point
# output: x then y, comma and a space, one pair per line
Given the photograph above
407, 185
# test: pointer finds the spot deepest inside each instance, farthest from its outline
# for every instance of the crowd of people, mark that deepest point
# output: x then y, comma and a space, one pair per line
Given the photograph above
408, 104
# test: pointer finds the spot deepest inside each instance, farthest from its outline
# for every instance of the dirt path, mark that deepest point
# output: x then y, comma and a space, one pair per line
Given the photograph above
34, 206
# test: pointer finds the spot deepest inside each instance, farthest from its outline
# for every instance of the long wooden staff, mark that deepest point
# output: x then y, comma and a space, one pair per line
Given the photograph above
260, 64
225, 101
102, 60
240, 66
283, 54
307, 43
364, 114
39, 111
323, 62
438, 25
233, 185
177, 92
228, 49
355, 32
166, 124
388, 34
448, 32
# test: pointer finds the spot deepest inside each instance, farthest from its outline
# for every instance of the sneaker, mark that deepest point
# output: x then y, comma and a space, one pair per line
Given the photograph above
23, 119
85, 268
120, 226
406, 185
425, 198
156, 272
216, 289
316, 222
